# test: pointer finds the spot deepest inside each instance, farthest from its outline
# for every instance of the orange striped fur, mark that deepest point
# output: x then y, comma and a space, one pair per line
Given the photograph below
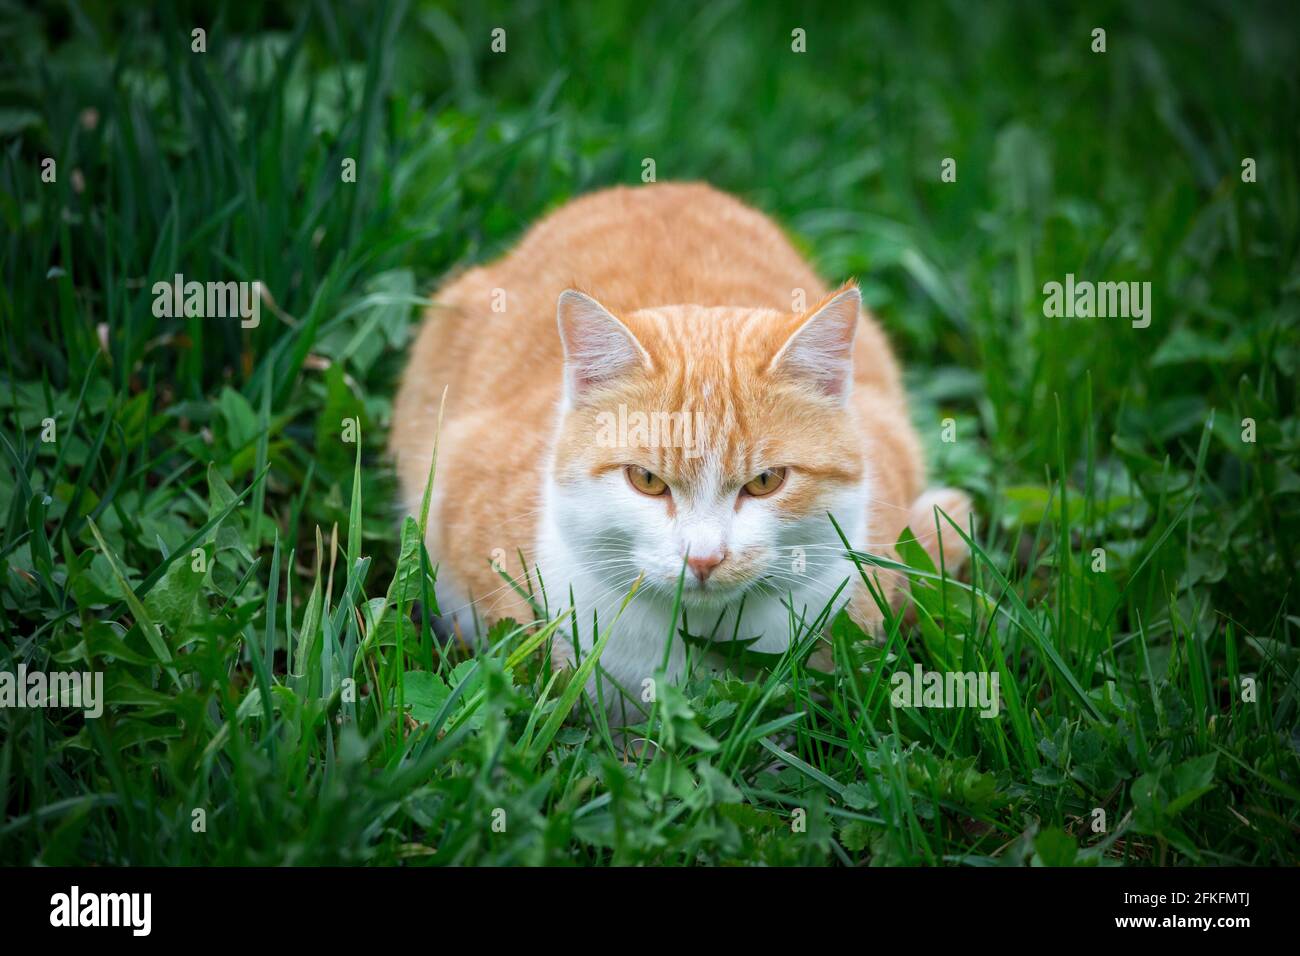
699, 296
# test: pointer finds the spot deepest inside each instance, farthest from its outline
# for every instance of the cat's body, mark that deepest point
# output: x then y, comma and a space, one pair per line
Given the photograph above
546, 459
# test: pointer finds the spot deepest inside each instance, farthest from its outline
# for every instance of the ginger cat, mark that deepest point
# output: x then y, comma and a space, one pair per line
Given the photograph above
680, 413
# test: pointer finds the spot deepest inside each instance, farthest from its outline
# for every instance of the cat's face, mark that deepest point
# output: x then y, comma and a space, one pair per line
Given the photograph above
716, 437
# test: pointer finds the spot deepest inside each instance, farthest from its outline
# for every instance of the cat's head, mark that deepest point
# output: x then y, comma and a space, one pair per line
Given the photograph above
721, 437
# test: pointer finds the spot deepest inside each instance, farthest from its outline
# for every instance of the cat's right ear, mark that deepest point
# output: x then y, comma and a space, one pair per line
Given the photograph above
597, 346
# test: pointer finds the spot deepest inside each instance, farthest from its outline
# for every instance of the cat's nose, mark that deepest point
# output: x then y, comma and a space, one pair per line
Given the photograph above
703, 565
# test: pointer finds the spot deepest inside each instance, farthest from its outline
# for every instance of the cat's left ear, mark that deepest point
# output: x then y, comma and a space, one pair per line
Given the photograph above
597, 346
820, 351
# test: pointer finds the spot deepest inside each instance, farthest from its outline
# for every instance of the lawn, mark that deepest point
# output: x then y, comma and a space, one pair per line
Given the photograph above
204, 513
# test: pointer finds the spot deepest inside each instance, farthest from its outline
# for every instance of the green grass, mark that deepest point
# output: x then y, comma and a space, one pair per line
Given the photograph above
1121, 689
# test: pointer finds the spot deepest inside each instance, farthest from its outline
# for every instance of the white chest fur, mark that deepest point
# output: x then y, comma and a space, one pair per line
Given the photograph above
643, 639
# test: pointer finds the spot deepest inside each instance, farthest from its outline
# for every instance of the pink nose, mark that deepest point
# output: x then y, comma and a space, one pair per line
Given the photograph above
702, 567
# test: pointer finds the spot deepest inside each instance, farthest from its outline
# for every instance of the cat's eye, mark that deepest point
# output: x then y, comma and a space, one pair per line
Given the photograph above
765, 483
646, 482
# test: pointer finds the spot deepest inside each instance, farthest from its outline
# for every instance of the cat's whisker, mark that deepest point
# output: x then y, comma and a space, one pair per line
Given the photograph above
617, 593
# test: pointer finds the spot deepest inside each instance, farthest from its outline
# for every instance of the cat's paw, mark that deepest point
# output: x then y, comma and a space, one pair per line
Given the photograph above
866, 611
954, 504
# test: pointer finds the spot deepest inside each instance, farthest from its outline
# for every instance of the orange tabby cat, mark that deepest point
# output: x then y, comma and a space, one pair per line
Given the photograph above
681, 412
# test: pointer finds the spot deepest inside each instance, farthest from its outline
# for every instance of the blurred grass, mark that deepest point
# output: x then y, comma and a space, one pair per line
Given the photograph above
1121, 689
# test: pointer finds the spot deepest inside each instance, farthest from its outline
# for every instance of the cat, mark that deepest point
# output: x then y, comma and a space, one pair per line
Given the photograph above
674, 419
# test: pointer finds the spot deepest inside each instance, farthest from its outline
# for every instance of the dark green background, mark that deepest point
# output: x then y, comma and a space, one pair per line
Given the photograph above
1072, 434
